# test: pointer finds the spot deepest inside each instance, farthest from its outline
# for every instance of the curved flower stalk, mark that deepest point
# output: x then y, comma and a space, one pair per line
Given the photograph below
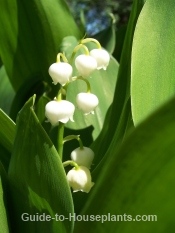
83, 156
79, 179
59, 111
102, 57
60, 72
87, 102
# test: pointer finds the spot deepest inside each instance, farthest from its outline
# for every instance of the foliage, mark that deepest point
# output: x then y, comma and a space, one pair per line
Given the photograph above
131, 132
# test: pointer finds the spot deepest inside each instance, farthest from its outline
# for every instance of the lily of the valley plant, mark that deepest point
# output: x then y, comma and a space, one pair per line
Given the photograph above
60, 111
87, 122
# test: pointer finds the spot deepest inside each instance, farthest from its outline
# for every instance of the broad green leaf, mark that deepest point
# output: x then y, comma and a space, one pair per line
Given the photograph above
3, 201
31, 32
136, 179
6, 91
153, 55
37, 179
7, 131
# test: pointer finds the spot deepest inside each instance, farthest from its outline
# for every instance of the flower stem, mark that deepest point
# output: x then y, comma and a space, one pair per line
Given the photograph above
83, 41
60, 139
87, 83
71, 137
72, 163
61, 96
85, 80
61, 55
76, 50
62, 93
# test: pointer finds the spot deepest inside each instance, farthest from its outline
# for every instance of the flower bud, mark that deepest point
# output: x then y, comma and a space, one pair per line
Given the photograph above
83, 157
102, 57
62, 111
80, 179
60, 72
85, 65
87, 102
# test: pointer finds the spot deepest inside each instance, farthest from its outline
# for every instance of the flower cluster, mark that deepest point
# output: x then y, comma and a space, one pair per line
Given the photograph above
60, 110
79, 177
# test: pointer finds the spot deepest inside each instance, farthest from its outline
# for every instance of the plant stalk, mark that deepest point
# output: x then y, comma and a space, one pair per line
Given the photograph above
60, 139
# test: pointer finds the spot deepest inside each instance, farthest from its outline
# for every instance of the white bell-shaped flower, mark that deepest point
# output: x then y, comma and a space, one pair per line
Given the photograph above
62, 111
87, 102
102, 57
80, 179
60, 72
85, 65
83, 157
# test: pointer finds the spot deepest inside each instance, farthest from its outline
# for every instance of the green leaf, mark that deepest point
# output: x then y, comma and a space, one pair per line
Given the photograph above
40, 108
7, 136
6, 91
31, 32
1, 62
7, 131
37, 178
3, 212
153, 54
120, 37
120, 109
137, 179
5, 157
40, 112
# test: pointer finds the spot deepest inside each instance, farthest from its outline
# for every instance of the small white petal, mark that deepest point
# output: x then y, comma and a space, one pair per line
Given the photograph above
102, 57
83, 157
62, 111
87, 102
85, 65
60, 72
80, 179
